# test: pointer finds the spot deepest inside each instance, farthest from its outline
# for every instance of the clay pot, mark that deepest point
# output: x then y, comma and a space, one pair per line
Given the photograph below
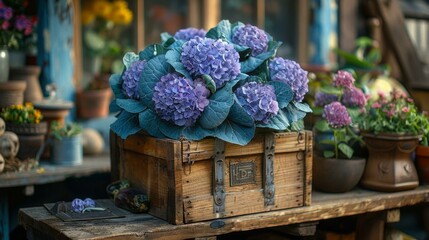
337, 175
12, 93
30, 74
31, 137
93, 103
9, 144
422, 161
389, 167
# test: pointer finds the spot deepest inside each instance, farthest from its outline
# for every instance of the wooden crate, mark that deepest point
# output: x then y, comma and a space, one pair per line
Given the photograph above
192, 181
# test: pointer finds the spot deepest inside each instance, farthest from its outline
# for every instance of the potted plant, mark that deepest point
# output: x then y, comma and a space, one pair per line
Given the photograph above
103, 22
67, 143
337, 167
26, 122
223, 88
392, 129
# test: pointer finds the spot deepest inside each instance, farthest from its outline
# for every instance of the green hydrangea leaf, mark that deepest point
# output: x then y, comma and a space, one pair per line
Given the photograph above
253, 62
238, 128
221, 31
210, 83
113, 107
115, 82
293, 113
167, 39
196, 133
149, 122
283, 92
302, 106
170, 130
328, 154
322, 125
277, 122
173, 58
346, 150
131, 105
129, 58
152, 72
218, 109
151, 51
126, 124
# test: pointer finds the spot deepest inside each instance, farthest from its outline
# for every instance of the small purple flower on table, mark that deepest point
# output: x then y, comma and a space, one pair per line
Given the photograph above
252, 37
258, 100
88, 202
291, 73
77, 205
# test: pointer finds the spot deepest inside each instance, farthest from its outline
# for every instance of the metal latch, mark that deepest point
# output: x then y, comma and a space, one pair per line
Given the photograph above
268, 169
218, 177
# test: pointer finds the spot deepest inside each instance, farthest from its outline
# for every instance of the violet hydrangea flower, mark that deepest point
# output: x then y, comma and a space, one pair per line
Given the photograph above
216, 58
88, 202
354, 97
291, 73
178, 101
189, 33
336, 115
258, 100
343, 79
131, 77
77, 205
323, 99
252, 37
6, 13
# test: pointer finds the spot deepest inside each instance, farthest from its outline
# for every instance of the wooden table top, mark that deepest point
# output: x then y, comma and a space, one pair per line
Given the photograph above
55, 173
144, 226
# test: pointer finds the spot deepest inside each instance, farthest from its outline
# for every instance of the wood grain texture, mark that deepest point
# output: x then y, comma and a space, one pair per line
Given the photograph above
145, 226
178, 175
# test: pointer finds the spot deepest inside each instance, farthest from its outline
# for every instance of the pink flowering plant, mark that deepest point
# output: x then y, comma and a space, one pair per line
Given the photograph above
341, 103
14, 24
223, 83
396, 113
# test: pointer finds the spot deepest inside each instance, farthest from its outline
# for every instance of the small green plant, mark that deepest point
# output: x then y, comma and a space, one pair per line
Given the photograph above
60, 131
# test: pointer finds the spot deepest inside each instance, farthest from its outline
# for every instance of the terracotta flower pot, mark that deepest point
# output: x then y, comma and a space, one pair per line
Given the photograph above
389, 167
30, 74
93, 103
337, 175
422, 161
12, 93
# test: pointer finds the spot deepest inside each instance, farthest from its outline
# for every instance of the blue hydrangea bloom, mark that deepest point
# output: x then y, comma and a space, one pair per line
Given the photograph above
88, 202
289, 72
252, 37
216, 58
178, 101
77, 205
258, 100
189, 33
131, 78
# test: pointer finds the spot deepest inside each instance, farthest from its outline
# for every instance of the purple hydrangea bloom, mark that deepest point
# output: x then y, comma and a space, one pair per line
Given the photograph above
6, 13
216, 58
343, 79
178, 101
258, 100
88, 202
77, 205
189, 33
336, 115
354, 97
131, 77
289, 72
252, 37
322, 99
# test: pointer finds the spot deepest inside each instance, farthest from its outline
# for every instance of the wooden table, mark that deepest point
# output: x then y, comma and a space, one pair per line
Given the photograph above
39, 223
50, 174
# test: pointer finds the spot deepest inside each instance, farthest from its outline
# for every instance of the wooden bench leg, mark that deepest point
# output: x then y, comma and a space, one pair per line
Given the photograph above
300, 229
371, 225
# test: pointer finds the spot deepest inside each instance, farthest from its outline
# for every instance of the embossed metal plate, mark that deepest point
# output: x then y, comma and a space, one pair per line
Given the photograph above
242, 173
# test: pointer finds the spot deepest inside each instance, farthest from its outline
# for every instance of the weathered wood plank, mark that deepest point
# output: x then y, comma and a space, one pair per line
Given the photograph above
144, 226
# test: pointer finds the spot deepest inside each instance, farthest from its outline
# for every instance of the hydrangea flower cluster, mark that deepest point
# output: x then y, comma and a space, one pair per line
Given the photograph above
336, 115
189, 33
216, 58
343, 79
78, 205
354, 97
177, 101
252, 37
258, 100
321, 99
291, 73
194, 84
131, 78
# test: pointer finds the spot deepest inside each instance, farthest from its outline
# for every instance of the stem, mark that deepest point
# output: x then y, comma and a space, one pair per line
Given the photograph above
335, 143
